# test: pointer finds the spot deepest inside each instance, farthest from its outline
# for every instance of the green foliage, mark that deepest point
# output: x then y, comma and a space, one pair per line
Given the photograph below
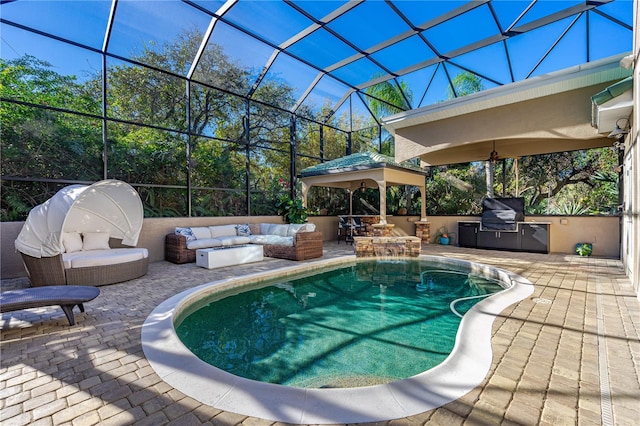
13, 207
569, 209
42, 143
464, 84
292, 211
388, 98
584, 249
226, 161
456, 189
557, 183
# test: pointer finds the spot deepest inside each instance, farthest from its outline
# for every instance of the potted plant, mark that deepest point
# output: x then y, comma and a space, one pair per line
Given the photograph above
292, 211
442, 236
584, 249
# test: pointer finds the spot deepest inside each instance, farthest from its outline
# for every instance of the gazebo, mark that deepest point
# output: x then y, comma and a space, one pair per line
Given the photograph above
365, 170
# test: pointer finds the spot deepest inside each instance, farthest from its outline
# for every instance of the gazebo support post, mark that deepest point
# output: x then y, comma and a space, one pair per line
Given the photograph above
305, 191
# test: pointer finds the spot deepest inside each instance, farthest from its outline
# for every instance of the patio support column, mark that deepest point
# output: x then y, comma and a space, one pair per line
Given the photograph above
423, 207
382, 187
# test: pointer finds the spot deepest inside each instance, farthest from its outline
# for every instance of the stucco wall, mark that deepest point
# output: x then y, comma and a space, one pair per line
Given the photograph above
566, 231
603, 232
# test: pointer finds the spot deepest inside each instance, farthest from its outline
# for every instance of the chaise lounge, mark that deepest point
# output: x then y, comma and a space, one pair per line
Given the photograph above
67, 296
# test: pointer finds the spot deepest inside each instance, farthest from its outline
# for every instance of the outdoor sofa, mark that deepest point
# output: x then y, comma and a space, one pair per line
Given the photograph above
284, 241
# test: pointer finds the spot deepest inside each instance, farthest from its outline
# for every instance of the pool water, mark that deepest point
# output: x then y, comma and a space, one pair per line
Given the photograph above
368, 323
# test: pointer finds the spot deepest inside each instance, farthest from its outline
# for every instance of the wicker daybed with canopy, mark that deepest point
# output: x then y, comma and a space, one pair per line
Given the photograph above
67, 239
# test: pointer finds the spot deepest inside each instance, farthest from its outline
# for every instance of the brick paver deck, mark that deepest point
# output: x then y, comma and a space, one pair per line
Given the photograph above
569, 354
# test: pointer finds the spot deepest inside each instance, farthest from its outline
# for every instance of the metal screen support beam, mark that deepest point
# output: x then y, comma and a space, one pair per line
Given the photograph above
321, 142
247, 160
188, 145
292, 155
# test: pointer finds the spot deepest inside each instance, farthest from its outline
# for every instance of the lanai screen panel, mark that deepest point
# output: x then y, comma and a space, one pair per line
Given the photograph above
327, 51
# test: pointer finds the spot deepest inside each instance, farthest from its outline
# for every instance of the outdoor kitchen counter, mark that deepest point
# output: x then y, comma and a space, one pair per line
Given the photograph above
528, 236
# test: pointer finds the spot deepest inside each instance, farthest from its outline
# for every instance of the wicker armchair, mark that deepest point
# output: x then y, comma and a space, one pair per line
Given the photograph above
306, 245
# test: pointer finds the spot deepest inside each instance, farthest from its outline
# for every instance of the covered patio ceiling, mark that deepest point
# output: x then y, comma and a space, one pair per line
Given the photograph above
545, 114
364, 170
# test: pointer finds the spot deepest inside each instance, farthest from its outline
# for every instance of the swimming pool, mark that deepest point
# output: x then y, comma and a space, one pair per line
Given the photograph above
460, 372
372, 322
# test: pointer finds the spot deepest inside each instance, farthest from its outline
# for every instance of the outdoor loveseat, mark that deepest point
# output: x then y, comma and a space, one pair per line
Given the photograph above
284, 241
85, 235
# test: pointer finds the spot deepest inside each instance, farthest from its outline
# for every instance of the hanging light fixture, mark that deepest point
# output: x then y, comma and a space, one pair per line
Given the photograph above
363, 186
619, 132
493, 157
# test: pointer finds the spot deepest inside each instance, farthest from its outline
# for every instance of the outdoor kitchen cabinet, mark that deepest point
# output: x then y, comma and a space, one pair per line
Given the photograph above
529, 236
534, 237
468, 234
499, 240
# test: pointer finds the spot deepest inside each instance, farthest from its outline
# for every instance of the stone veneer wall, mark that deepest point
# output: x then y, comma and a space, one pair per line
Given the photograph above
387, 246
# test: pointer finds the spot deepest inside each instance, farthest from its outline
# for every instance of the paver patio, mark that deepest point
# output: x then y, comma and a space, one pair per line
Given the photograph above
569, 354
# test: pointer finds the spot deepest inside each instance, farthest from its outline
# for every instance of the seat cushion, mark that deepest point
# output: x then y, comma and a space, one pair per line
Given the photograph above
201, 232
234, 240
204, 243
223, 231
294, 228
272, 239
274, 229
89, 258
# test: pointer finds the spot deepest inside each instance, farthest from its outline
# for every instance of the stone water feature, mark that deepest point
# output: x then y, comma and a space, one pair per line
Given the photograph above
387, 246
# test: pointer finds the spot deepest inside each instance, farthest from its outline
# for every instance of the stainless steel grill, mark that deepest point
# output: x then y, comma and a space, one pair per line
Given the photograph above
502, 214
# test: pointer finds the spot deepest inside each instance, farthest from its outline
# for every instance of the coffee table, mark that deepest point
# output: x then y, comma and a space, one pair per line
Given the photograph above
227, 256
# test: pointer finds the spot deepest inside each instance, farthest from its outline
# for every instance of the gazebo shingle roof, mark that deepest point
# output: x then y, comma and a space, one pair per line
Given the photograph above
358, 161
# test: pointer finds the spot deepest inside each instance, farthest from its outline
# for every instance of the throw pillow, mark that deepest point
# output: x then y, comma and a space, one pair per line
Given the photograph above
186, 232
95, 241
201, 232
243, 230
71, 241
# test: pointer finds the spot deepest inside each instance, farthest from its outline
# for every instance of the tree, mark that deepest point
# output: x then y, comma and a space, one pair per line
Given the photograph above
553, 182
386, 99
455, 189
40, 142
464, 84
219, 143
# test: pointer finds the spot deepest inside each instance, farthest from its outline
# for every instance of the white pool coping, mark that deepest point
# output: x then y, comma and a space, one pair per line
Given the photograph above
462, 370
